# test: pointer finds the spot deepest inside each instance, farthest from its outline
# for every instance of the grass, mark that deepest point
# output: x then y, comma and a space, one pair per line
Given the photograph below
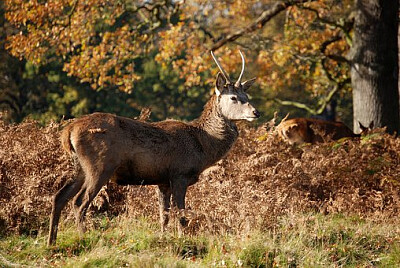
301, 240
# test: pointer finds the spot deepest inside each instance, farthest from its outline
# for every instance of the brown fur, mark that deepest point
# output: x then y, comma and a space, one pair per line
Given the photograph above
170, 154
309, 130
65, 141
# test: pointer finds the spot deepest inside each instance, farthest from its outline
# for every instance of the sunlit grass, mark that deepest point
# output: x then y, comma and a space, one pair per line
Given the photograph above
311, 240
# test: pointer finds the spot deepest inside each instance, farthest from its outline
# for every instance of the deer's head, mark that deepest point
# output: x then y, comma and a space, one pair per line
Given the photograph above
232, 97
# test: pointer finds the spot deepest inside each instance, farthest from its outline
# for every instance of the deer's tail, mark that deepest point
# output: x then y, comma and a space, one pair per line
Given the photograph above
66, 140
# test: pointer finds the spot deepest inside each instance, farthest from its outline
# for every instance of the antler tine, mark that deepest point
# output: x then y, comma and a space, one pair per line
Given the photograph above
220, 68
237, 84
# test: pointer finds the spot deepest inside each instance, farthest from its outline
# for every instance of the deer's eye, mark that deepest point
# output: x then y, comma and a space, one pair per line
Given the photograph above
233, 98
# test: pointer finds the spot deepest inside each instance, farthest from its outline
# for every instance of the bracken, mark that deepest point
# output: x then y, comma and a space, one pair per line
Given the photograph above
258, 181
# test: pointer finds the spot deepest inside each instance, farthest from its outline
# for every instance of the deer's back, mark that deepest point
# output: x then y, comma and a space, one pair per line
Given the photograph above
310, 130
136, 148
336, 130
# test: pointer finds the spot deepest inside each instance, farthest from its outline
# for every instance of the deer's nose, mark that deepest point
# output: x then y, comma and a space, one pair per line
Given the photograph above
256, 113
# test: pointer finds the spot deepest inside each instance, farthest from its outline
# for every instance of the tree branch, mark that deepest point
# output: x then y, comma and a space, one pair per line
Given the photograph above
149, 7
296, 104
325, 45
344, 25
266, 16
68, 16
322, 104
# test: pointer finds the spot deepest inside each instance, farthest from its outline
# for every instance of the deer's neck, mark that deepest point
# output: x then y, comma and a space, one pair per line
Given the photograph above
217, 134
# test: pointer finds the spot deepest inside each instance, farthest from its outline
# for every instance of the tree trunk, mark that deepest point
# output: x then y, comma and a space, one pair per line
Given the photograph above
374, 70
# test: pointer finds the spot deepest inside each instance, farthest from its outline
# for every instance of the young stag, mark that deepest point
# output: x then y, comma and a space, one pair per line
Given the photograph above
310, 130
170, 154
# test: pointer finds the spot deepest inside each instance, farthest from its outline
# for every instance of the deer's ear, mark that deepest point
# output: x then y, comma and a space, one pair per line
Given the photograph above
371, 125
363, 128
219, 84
247, 84
217, 92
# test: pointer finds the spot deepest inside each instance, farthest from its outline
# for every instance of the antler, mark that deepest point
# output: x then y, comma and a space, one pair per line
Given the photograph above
238, 82
221, 69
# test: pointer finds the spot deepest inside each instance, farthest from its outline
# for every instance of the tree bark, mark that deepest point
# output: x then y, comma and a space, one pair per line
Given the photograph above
374, 59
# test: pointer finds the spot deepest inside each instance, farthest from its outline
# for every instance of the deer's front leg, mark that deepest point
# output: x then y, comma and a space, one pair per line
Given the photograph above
164, 199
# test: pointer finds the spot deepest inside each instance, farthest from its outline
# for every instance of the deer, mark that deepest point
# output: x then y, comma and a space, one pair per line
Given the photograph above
170, 154
310, 130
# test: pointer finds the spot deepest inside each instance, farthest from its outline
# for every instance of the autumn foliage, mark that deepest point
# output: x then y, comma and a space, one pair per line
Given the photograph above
261, 179
78, 55
99, 41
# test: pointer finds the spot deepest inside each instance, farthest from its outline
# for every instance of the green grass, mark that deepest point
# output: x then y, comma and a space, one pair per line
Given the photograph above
311, 240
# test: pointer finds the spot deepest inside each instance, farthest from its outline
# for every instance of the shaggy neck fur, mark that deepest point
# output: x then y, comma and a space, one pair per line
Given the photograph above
217, 133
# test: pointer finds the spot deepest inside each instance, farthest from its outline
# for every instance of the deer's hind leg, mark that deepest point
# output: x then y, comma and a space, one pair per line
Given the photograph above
95, 179
179, 187
164, 200
61, 198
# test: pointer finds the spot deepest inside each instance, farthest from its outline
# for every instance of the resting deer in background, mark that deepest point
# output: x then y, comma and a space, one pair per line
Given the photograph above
170, 154
310, 130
